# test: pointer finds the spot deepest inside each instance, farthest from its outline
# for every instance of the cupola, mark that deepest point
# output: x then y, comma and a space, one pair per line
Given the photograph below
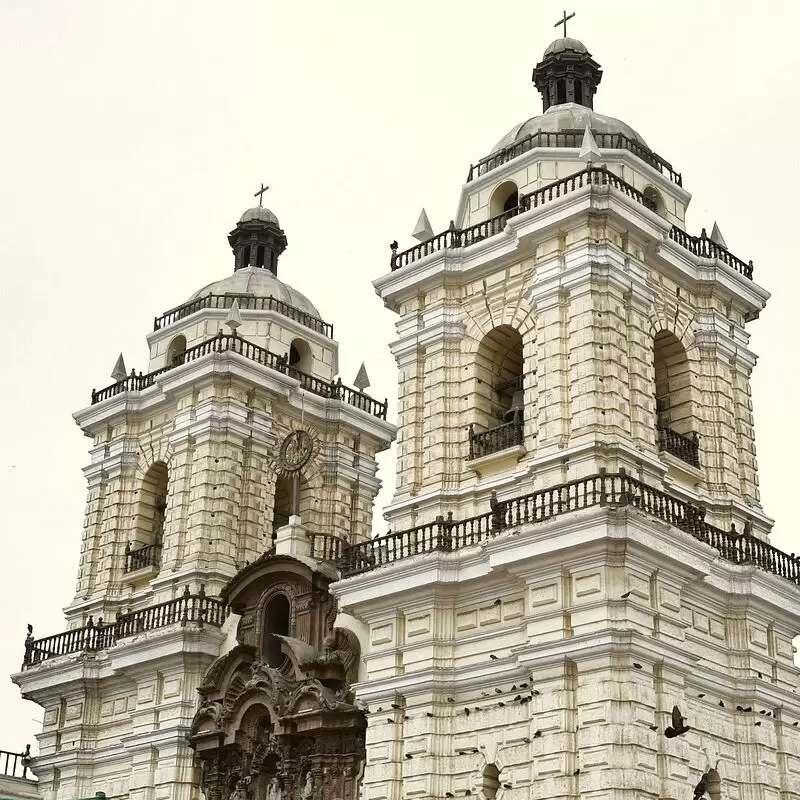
567, 73
257, 240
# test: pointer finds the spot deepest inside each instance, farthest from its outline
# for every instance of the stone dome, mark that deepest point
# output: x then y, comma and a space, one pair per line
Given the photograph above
259, 283
565, 43
260, 214
568, 117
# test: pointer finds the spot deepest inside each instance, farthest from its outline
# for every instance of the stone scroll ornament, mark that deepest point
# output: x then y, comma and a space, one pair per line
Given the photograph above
296, 451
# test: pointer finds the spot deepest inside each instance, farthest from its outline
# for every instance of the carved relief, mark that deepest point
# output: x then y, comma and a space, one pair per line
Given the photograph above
264, 728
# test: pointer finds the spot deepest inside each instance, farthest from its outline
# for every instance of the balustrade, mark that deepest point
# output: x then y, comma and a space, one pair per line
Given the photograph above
495, 439
247, 302
700, 246
189, 608
141, 557
686, 448
334, 390
573, 139
446, 535
15, 765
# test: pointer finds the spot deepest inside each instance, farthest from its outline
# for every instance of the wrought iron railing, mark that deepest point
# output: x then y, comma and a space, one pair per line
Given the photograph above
16, 765
141, 557
247, 302
686, 448
190, 608
334, 390
700, 246
574, 139
448, 535
494, 440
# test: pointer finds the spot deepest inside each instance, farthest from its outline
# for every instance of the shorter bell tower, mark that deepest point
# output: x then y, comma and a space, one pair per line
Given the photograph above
257, 240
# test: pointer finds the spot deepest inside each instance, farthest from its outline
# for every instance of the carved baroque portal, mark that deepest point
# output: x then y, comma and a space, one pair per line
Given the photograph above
276, 719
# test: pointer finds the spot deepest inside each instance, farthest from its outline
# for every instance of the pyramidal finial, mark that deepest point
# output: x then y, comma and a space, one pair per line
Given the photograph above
589, 150
119, 373
234, 319
362, 380
422, 230
717, 237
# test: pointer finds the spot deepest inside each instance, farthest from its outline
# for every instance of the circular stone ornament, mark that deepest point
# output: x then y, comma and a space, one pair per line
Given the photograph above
296, 449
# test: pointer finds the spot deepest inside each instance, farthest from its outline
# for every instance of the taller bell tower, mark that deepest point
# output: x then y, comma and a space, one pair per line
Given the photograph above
577, 596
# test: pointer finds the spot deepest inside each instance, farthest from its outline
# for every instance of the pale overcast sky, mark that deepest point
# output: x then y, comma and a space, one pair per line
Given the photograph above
134, 134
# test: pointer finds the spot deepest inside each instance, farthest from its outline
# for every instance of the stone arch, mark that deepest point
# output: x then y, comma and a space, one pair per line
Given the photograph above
653, 199
504, 198
176, 349
151, 506
300, 355
498, 377
311, 485
490, 781
286, 589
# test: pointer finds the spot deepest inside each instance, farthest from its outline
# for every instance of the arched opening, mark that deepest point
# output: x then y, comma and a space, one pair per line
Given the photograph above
504, 198
491, 781
714, 785
277, 615
260, 256
177, 347
675, 419
561, 92
282, 506
579, 91
246, 257
499, 369
653, 200
145, 546
300, 356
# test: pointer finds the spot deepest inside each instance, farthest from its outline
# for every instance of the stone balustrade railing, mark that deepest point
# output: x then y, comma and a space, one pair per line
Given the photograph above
247, 302
700, 246
147, 556
448, 535
333, 390
573, 139
189, 609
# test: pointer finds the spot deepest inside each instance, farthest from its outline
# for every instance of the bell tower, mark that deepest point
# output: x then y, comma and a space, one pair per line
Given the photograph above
577, 594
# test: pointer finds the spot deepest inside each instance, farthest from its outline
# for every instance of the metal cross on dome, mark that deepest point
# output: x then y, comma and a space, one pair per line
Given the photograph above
564, 22
260, 193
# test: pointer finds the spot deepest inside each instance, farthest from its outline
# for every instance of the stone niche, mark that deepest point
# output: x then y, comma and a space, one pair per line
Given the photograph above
277, 719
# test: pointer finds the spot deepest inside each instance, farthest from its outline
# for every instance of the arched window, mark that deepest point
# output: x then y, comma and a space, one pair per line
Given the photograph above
277, 616
653, 200
491, 781
177, 347
579, 91
561, 92
300, 356
152, 506
260, 256
246, 257
675, 419
504, 198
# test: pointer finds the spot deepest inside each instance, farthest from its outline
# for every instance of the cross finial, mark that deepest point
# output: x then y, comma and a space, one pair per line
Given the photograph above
564, 22
260, 193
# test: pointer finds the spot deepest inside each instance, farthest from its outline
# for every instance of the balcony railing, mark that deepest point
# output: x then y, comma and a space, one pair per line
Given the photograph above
574, 139
141, 557
494, 440
334, 390
247, 302
700, 246
448, 535
15, 765
686, 448
195, 609
325, 547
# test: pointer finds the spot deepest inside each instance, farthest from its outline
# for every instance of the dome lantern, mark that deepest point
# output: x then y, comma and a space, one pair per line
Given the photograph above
567, 73
257, 240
